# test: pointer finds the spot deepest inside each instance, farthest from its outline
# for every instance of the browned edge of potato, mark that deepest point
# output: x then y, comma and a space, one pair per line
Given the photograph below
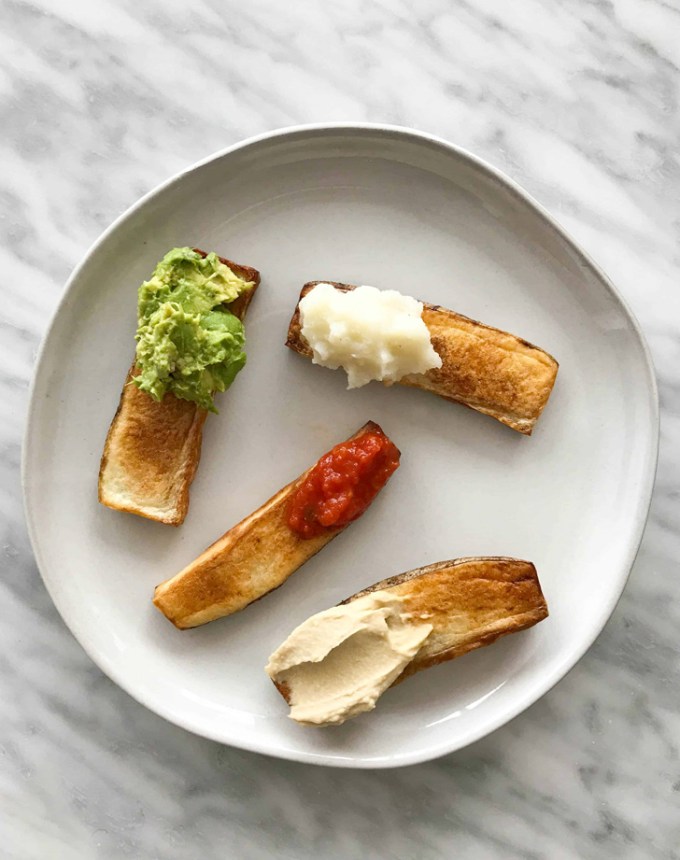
487, 369
253, 558
152, 449
470, 603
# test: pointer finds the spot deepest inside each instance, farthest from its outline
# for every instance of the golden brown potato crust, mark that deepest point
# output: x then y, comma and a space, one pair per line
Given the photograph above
253, 558
484, 368
469, 601
152, 449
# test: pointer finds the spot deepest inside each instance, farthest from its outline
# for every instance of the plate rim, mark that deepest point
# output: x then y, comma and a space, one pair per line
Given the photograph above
544, 685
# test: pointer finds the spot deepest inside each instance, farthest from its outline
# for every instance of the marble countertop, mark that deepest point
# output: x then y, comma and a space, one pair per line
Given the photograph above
579, 103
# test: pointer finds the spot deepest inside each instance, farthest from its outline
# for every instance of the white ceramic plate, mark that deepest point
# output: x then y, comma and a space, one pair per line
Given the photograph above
393, 208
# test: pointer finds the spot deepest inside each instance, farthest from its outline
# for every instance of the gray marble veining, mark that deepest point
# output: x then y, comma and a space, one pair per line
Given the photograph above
99, 101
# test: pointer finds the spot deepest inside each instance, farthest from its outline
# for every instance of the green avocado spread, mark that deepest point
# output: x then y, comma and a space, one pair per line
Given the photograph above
188, 342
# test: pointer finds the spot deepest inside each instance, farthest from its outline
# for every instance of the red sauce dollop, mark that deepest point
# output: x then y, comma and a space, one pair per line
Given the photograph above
343, 483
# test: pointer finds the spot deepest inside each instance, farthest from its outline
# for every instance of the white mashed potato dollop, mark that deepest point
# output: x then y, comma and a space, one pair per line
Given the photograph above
370, 333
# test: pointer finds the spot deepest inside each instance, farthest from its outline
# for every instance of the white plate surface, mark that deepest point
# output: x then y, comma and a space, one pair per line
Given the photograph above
392, 208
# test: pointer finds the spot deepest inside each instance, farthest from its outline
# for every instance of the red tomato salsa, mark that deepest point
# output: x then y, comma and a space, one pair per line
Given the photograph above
343, 483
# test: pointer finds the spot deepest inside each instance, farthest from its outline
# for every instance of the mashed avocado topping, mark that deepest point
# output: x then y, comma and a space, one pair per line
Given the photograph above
188, 342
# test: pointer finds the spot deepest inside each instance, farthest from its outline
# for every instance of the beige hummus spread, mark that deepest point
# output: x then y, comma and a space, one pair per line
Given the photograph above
338, 663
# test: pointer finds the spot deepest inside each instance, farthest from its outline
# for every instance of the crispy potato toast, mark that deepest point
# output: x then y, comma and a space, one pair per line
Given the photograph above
482, 367
152, 449
251, 559
470, 602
